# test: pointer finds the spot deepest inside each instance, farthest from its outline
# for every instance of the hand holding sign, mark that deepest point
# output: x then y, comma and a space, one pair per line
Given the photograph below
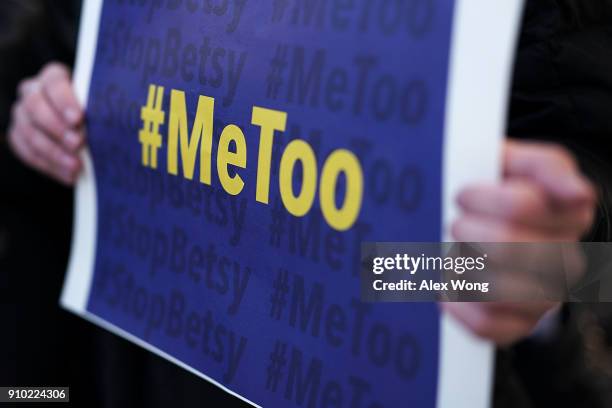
543, 198
45, 130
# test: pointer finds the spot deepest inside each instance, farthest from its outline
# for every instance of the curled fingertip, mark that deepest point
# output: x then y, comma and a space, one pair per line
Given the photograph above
68, 176
457, 228
69, 163
72, 116
578, 191
72, 140
463, 198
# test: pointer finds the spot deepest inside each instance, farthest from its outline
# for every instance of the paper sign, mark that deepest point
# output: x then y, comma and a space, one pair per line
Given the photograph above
241, 151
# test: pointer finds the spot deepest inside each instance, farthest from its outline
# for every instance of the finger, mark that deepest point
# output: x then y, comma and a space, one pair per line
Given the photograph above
58, 89
525, 310
27, 86
503, 329
52, 158
521, 285
58, 163
524, 203
476, 228
20, 147
39, 111
552, 168
61, 97
19, 140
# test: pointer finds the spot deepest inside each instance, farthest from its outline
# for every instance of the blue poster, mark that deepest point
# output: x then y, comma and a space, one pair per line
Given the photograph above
239, 154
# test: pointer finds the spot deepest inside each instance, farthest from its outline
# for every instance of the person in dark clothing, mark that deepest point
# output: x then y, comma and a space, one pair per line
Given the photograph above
561, 91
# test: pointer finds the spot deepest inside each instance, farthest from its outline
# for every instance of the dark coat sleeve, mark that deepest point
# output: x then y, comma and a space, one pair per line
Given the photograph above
562, 93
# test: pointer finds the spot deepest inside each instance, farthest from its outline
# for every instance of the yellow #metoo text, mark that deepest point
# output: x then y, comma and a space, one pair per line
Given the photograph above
188, 145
